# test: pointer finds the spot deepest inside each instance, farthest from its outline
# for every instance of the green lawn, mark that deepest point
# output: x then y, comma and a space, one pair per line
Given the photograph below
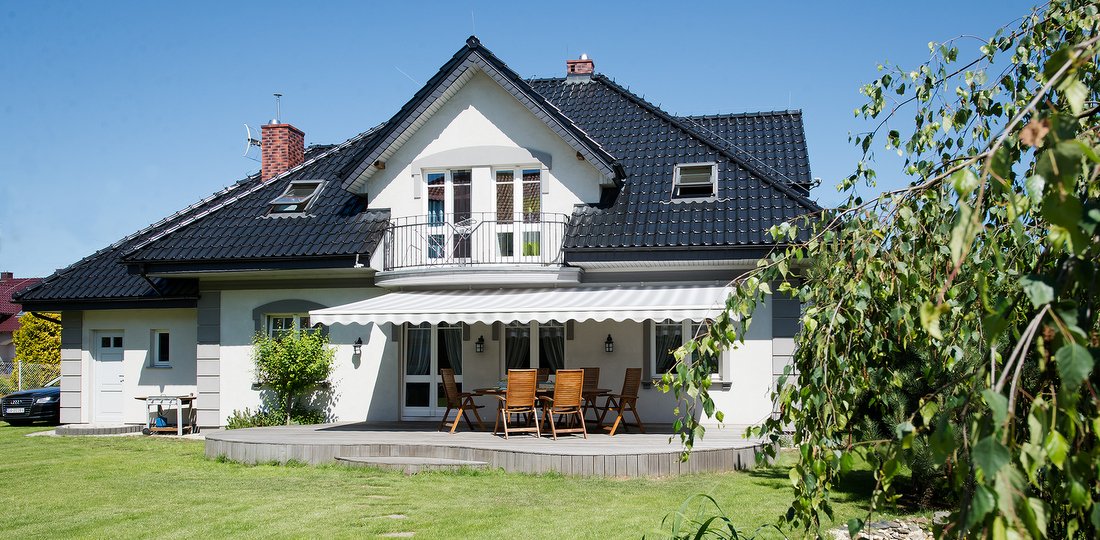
140, 486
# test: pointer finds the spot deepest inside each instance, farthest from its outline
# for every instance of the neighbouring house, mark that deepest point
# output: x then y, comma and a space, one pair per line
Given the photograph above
493, 222
10, 312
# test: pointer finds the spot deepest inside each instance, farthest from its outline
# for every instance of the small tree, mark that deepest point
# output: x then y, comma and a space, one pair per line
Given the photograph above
38, 340
292, 364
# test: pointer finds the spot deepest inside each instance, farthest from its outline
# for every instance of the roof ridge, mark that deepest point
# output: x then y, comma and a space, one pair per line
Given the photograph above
675, 121
336, 148
715, 116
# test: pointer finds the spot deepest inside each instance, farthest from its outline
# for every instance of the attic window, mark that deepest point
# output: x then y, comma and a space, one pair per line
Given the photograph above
296, 198
694, 181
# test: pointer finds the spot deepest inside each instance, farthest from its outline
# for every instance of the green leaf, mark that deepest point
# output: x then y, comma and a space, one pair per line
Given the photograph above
1038, 291
1075, 93
997, 403
930, 318
990, 455
965, 182
854, 526
1056, 448
982, 503
1035, 185
1074, 365
963, 232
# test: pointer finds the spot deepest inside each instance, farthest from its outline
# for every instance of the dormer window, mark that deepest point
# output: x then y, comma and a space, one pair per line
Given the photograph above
694, 181
296, 198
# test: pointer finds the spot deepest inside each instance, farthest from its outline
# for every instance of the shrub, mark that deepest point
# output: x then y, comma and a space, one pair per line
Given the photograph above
264, 417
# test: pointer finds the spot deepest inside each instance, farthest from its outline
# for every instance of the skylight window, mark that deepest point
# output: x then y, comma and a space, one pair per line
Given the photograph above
296, 198
694, 181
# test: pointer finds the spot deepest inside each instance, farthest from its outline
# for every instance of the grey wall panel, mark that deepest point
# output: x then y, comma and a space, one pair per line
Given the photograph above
208, 360
72, 347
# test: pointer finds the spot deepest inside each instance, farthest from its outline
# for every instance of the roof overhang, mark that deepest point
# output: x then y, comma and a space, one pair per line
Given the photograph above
468, 61
635, 303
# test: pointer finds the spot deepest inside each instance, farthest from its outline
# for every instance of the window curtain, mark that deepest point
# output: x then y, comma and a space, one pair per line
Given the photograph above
450, 349
668, 339
517, 347
552, 347
419, 352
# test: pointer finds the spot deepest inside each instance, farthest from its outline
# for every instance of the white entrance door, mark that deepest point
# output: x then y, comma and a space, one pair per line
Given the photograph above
108, 377
428, 349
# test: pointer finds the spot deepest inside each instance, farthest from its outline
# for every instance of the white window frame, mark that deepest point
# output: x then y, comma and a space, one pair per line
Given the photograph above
677, 181
269, 319
433, 378
687, 330
520, 228
287, 204
155, 349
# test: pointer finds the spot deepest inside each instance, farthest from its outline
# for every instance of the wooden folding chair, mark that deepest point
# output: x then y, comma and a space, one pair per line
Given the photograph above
589, 392
624, 401
518, 399
566, 402
458, 401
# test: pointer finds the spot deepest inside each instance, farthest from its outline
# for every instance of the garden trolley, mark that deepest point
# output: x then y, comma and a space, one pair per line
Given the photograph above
170, 402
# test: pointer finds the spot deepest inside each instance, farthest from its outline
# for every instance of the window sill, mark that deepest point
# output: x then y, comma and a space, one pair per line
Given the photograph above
159, 367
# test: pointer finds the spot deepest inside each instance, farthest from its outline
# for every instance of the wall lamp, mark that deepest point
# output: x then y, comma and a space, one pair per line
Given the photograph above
358, 346
609, 344
479, 345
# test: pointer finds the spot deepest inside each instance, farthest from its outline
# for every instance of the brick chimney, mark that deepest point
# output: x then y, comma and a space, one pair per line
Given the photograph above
5, 276
283, 148
579, 71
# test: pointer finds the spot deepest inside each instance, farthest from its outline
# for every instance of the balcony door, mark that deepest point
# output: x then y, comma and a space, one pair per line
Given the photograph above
518, 218
449, 217
428, 349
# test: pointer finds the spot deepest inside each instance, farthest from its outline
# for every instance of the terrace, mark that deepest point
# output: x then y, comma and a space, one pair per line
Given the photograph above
415, 445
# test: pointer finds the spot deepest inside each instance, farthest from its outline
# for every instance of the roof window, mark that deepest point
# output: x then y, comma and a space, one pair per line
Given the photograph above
296, 198
694, 181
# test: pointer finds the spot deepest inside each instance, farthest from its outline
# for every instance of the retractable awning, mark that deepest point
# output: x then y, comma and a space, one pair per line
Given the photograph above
636, 303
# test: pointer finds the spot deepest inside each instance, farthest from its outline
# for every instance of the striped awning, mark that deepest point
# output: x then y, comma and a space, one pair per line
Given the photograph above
636, 303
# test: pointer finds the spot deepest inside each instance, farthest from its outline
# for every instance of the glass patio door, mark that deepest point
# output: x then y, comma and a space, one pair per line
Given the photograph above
428, 349
518, 214
449, 216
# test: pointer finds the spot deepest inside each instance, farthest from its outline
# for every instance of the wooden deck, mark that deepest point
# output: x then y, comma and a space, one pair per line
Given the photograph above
624, 455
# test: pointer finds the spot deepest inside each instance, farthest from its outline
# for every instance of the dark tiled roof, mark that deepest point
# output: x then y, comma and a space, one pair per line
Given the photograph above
775, 140
337, 224
649, 143
761, 160
8, 310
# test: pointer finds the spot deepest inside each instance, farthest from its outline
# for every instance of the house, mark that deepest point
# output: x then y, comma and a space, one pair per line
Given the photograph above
493, 222
9, 313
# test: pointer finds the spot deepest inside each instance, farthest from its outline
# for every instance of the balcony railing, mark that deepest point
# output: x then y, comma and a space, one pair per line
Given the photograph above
474, 238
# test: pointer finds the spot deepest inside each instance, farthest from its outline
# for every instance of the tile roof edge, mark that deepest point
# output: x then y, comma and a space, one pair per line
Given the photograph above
746, 114
130, 253
675, 121
474, 46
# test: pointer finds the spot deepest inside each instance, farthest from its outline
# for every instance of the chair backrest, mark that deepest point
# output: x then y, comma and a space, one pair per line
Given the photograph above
544, 374
631, 382
568, 384
591, 378
449, 386
521, 388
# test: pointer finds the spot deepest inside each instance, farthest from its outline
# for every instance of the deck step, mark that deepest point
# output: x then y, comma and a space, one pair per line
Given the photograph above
98, 429
410, 464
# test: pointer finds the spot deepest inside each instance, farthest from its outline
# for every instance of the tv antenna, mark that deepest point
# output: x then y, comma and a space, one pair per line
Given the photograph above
251, 142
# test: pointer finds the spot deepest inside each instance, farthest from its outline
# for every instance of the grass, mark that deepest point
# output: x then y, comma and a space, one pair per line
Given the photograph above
163, 487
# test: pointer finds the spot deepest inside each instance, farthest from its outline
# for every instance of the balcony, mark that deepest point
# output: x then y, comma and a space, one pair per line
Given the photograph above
470, 239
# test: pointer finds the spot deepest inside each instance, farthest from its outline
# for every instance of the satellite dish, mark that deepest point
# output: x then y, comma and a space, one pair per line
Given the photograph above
250, 142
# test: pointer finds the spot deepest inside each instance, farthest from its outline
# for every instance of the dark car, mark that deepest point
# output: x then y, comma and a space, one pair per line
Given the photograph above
26, 406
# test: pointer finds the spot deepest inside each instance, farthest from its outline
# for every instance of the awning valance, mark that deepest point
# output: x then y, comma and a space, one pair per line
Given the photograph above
636, 303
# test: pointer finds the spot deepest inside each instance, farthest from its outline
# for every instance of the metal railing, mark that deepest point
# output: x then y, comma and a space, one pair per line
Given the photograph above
474, 238
16, 375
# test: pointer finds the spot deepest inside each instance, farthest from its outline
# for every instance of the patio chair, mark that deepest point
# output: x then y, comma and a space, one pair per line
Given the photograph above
519, 399
589, 392
624, 401
460, 402
568, 384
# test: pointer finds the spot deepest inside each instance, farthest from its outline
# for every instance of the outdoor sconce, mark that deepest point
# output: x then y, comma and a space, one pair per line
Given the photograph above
479, 345
609, 344
358, 346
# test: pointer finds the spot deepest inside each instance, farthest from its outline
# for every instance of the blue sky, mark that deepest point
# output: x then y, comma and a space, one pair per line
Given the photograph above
114, 115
